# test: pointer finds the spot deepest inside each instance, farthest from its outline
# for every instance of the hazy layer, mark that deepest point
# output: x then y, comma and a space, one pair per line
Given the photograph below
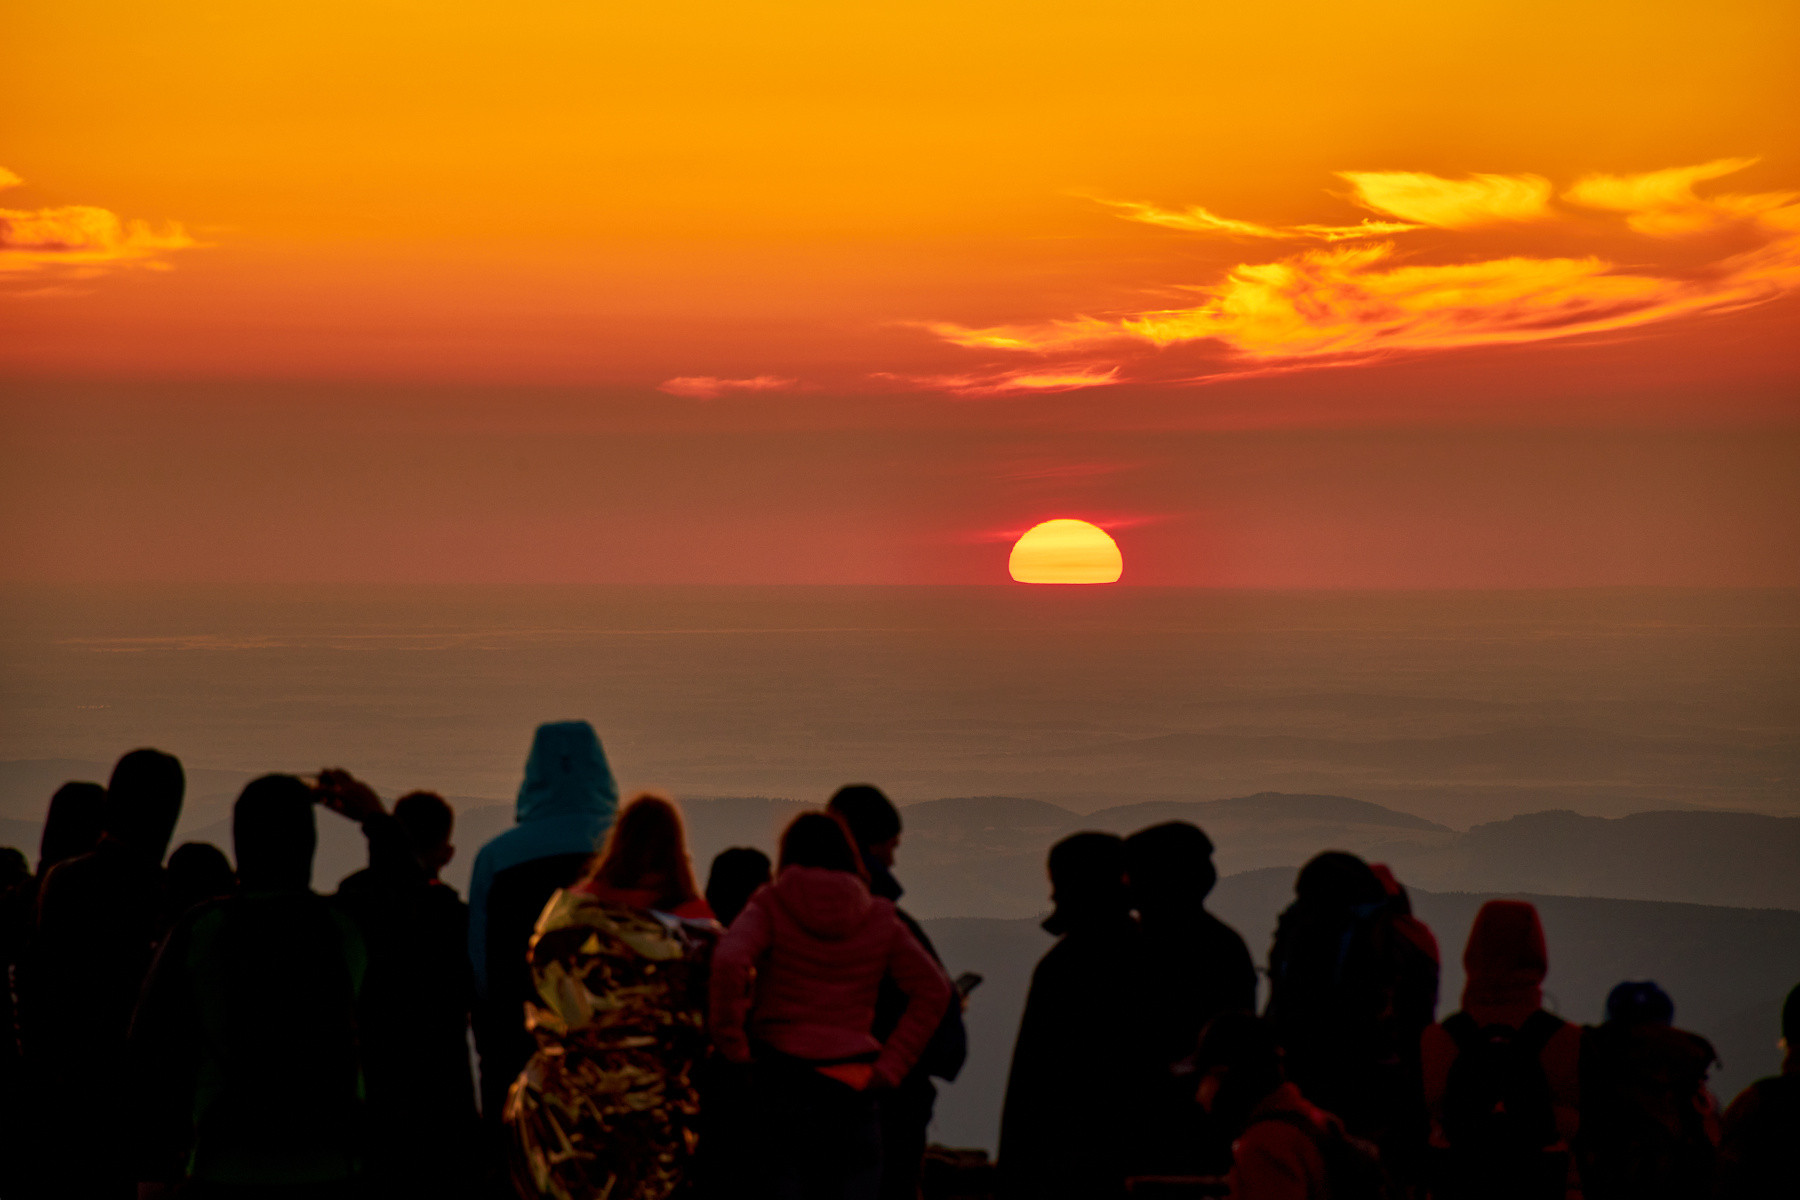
1460, 707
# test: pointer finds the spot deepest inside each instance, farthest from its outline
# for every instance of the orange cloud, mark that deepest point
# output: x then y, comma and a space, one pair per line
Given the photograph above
1350, 303
711, 387
1013, 382
79, 241
1664, 203
1451, 203
1195, 219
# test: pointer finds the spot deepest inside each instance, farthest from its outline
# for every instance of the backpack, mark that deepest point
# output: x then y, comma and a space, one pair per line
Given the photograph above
1353, 1169
1648, 1130
1499, 1117
1352, 988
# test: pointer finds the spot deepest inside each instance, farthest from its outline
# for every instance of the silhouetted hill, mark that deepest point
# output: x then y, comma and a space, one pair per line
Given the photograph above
1727, 968
1702, 857
1538, 755
984, 855
1265, 805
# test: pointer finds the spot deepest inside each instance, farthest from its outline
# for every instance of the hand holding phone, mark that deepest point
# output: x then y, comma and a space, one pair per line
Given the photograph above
346, 795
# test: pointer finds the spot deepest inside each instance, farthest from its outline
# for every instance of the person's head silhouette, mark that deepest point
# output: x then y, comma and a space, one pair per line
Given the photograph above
143, 801
816, 839
1087, 882
1169, 868
873, 820
198, 871
76, 819
735, 875
428, 821
274, 834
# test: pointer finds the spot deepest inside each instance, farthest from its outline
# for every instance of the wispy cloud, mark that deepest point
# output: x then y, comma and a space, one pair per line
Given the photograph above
1195, 219
711, 387
1664, 203
1451, 203
1065, 378
1346, 303
80, 241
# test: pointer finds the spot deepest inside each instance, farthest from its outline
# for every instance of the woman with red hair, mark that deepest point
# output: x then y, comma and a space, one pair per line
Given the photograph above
608, 1106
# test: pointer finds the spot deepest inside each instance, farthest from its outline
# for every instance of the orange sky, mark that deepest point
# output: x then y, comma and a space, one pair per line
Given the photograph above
991, 228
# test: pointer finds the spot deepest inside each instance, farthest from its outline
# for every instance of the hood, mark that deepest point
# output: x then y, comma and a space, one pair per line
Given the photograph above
567, 775
827, 904
1505, 960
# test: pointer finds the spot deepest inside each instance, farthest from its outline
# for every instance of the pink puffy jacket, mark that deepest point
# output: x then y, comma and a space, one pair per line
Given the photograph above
800, 967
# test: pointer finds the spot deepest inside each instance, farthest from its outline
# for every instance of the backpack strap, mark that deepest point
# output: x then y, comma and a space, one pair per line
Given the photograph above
1462, 1029
1538, 1029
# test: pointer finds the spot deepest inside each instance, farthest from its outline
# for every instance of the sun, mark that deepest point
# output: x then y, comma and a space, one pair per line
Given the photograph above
1065, 551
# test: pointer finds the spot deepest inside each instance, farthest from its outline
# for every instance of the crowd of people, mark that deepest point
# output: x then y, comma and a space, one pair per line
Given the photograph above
202, 1028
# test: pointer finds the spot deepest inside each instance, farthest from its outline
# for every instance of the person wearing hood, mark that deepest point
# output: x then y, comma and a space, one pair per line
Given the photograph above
1069, 1107
99, 917
1196, 967
565, 806
906, 1111
1502, 1076
794, 989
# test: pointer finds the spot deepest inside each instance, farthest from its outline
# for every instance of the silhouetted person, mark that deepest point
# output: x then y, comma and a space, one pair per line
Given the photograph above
795, 984
197, 872
733, 878
906, 1111
72, 826
16, 891
1066, 1121
1649, 1128
99, 916
1349, 993
1195, 968
1502, 1076
728, 1141
246, 1038
565, 805
1759, 1154
421, 1096
1284, 1147
609, 1104
1406, 1127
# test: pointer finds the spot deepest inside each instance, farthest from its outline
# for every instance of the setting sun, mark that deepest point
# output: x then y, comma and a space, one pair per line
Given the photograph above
1065, 551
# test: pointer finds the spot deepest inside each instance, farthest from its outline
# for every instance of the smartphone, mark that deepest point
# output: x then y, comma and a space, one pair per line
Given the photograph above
965, 983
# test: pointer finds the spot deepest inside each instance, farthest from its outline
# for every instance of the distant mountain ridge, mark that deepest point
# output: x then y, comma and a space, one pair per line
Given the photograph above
984, 855
1743, 859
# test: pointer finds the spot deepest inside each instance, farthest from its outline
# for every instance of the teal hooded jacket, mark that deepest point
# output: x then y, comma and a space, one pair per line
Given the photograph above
566, 805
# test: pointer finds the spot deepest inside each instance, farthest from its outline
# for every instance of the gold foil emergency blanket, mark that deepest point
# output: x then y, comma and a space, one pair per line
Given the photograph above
606, 1109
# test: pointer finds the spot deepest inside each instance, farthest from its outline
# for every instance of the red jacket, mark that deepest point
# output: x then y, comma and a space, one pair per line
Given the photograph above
801, 966
1274, 1160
